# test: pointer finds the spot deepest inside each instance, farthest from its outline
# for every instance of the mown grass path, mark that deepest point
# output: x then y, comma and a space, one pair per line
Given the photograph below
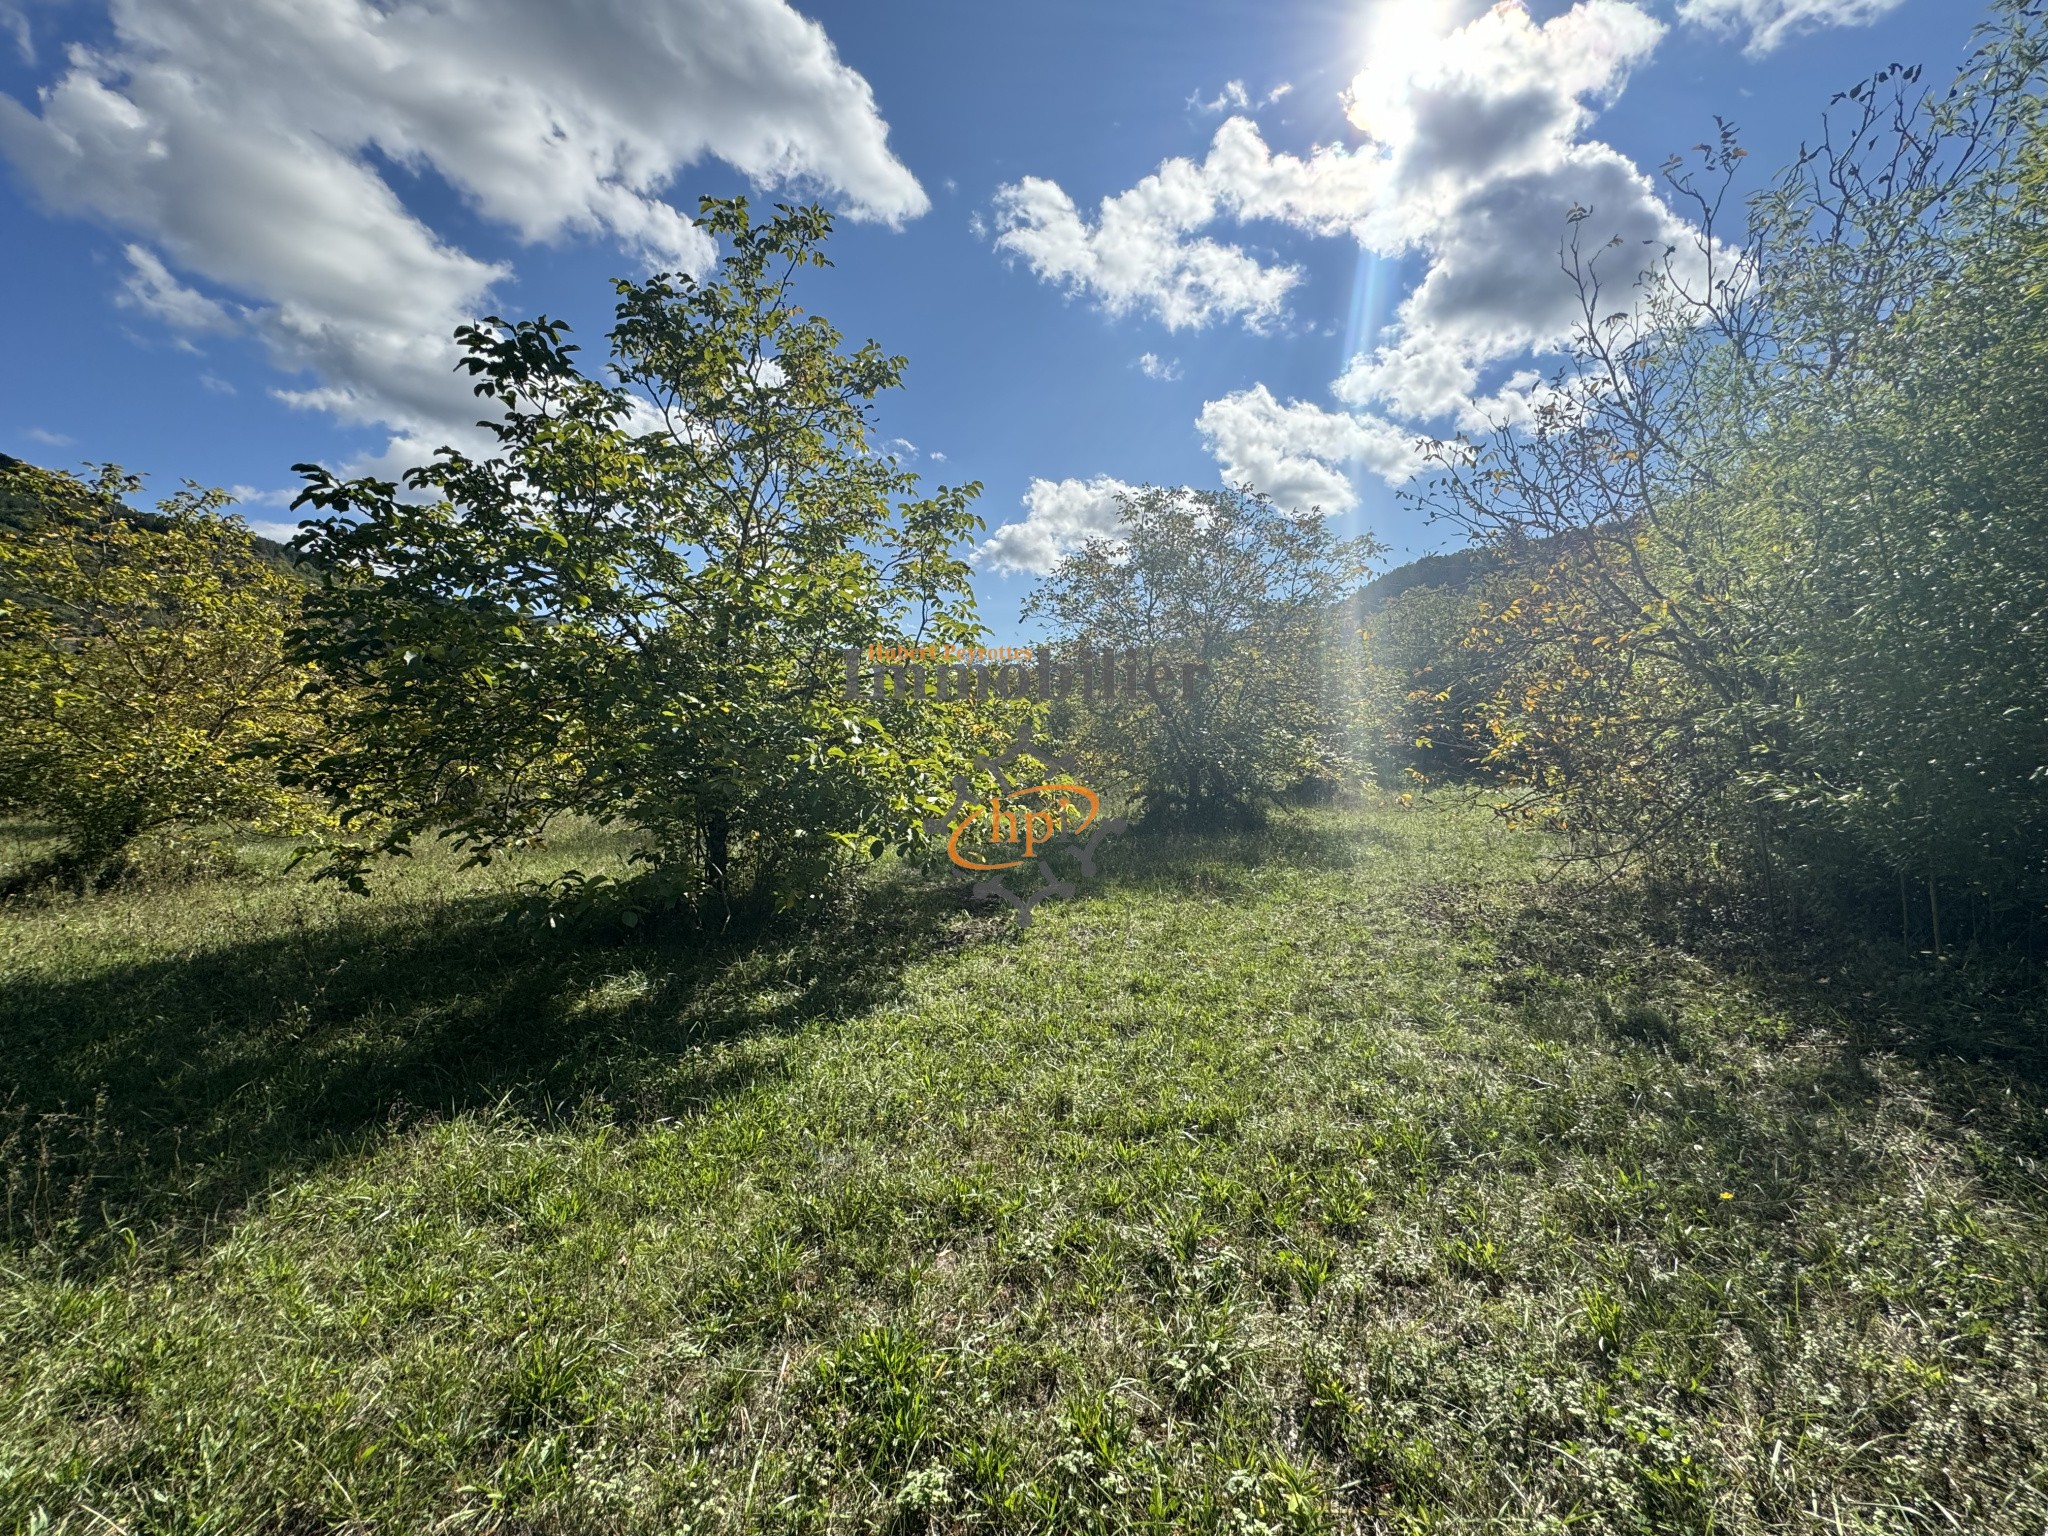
1322, 1179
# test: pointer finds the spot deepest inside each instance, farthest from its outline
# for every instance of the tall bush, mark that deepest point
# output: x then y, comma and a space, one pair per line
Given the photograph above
1781, 603
635, 609
142, 665
1251, 594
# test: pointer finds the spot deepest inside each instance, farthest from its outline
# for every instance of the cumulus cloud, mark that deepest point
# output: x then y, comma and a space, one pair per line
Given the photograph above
1153, 366
1771, 22
1296, 452
243, 142
1137, 254
1476, 159
1060, 516
1481, 132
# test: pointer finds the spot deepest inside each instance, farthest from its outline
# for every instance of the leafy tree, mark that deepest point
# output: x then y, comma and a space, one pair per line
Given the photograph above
1425, 691
142, 665
1227, 581
636, 608
1788, 618
1417, 684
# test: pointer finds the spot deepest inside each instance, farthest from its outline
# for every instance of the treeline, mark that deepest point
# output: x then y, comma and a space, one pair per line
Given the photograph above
1756, 601
639, 608
1766, 602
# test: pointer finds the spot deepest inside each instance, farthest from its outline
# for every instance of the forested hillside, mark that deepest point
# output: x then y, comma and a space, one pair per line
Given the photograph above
35, 499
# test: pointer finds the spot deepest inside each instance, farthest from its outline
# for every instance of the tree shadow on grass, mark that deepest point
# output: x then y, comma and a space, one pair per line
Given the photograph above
1231, 863
161, 1096
1977, 1043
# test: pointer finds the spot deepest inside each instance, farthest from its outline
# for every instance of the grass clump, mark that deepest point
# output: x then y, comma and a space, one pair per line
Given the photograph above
1329, 1177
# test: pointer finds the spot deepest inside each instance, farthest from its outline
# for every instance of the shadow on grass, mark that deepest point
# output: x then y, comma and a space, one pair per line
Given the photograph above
1976, 1035
1230, 863
162, 1096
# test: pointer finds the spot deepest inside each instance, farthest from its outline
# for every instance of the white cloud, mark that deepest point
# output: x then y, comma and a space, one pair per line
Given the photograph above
1481, 131
936, 456
150, 287
47, 438
242, 140
215, 384
265, 528
1233, 94
1136, 255
403, 450
1153, 366
1771, 22
1476, 158
255, 496
15, 21
1296, 452
1060, 516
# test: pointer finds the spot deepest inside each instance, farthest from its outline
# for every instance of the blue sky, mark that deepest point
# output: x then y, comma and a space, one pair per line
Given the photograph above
237, 232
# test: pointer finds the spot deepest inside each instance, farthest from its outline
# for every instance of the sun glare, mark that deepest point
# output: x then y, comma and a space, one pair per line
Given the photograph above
1403, 39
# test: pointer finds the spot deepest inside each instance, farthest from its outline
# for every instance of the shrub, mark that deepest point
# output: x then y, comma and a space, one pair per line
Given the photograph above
142, 666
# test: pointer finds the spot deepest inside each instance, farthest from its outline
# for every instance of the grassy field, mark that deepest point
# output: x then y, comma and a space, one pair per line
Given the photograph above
1332, 1178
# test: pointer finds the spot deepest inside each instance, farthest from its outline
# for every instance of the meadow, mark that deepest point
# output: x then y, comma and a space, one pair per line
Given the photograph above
1352, 1174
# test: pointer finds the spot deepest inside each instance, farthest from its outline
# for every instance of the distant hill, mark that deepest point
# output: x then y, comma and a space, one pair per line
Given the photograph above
32, 498
1458, 570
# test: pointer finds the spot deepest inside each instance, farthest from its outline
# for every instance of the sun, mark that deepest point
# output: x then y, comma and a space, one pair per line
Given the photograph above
1402, 41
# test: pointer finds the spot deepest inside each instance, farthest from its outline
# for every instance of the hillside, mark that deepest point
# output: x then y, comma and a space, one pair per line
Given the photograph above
32, 497
1457, 570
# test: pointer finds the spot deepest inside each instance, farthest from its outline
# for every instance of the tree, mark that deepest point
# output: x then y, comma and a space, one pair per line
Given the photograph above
1227, 581
1423, 693
636, 608
1787, 621
142, 665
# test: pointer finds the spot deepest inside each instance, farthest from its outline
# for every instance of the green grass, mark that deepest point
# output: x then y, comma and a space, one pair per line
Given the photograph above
1329, 1178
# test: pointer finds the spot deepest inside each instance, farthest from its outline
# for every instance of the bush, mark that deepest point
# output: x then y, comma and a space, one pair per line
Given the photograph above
1227, 582
636, 609
1781, 611
142, 666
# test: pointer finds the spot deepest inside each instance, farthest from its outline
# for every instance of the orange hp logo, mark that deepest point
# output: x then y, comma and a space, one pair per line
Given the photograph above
1049, 831
1031, 824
